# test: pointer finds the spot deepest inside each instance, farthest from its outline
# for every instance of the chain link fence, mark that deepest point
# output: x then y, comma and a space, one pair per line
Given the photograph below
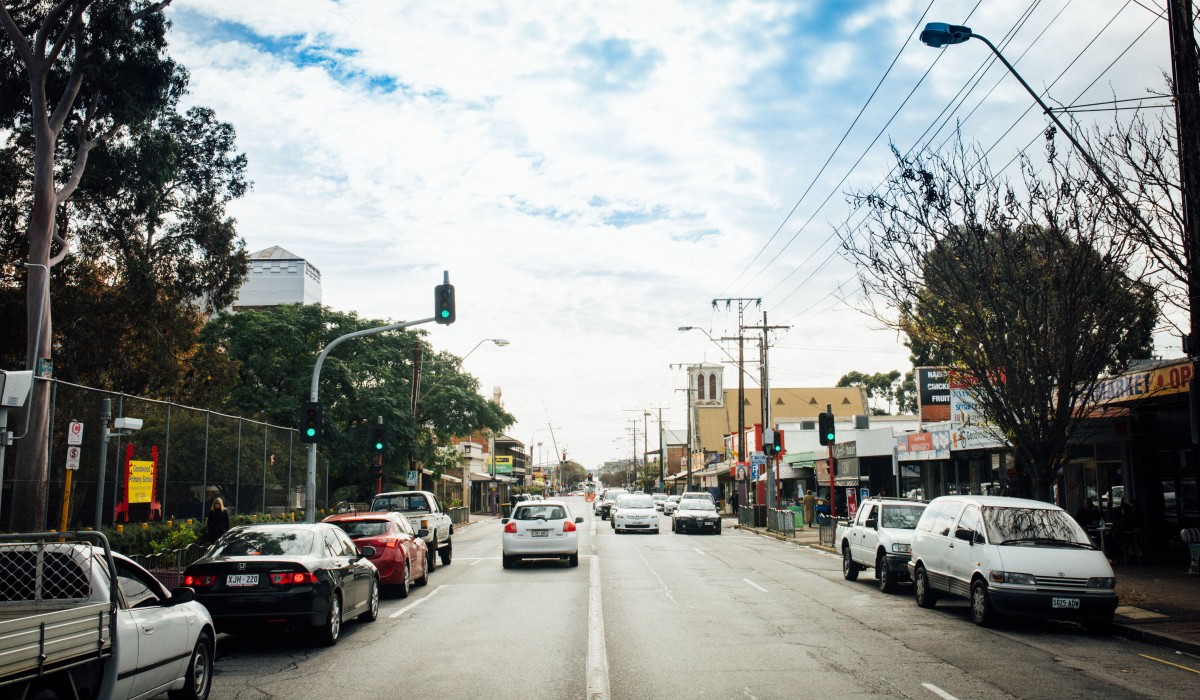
253, 466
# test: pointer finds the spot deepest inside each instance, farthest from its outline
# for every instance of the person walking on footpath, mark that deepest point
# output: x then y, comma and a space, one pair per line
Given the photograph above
217, 520
810, 508
733, 502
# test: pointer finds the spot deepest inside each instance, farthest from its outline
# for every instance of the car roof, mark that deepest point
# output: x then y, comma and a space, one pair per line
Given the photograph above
893, 501
368, 515
999, 502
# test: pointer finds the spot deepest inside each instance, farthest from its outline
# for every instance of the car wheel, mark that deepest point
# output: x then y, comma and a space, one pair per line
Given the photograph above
424, 580
198, 681
371, 614
431, 557
849, 568
887, 580
406, 582
718, 530
925, 596
327, 634
446, 552
573, 560
507, 561
982, 613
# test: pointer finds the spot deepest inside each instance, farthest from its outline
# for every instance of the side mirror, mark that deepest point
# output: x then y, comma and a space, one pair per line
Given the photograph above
422, 533
503, 521
181, 595
872, 523
579, 519
965, 535
367, 551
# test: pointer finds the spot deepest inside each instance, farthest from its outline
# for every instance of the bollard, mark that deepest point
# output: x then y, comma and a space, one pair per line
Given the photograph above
120, 528
145, 526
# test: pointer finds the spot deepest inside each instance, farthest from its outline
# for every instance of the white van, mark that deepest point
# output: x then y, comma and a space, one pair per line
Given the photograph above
1011, 556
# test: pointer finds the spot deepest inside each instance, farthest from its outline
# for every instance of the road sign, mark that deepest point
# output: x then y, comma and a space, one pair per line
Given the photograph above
758, 458
72, 457
75, 433
754, 472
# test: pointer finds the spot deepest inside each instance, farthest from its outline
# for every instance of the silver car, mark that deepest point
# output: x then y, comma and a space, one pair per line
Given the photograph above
540, 530
670, 504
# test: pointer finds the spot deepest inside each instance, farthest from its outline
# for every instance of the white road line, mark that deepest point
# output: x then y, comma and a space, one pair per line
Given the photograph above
597, 659
699, 551
938, 691
414, 604
666, 589
755, 585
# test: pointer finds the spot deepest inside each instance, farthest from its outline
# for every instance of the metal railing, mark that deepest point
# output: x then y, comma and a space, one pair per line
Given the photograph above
827, 529
459, 515
168, 565
781, 521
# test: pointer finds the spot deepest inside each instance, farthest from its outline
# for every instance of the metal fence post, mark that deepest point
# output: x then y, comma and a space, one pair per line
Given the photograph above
262, 507
204, 476
166, 465
237, 477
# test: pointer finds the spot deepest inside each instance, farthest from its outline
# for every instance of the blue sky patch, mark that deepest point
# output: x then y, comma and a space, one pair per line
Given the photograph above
616, 64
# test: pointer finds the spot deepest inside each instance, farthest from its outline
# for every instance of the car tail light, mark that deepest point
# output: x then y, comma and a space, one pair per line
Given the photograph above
389, 543
292, 578
424, 524
568, 526
510, 528
194, 581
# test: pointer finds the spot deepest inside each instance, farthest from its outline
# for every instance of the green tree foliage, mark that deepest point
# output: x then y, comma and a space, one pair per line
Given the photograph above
886, 388
1022, 289
571, 473
362, 379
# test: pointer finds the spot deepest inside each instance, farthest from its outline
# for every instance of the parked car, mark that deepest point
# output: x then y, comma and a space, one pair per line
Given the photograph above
659, 500
400, 553
670, 504
634, 511
604, 506
293, 576
1011, 556
696, 515
879, 537
540, 530
697, 494
424, 512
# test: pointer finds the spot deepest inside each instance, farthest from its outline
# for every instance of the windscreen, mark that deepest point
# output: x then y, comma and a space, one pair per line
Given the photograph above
635, 502
364, 528
253, 542
902, 517
1033, 526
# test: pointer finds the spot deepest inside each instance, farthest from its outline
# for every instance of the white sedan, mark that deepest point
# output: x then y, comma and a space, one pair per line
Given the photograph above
540, 530
670, 504
634, 512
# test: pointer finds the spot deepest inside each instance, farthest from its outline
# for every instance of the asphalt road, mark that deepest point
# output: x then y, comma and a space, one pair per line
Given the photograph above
685, 616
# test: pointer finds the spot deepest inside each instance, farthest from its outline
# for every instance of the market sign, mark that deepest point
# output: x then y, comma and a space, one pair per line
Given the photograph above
1132, 386
933, 394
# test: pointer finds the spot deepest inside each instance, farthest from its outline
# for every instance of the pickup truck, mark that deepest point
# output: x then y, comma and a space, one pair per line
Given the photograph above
66, 632
424, 512
879, 537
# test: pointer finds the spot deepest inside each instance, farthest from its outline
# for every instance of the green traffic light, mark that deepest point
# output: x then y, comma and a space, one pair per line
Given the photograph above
311, 432
445, 313
379, 445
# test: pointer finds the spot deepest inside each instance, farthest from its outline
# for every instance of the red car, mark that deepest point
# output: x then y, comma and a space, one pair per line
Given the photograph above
400, 553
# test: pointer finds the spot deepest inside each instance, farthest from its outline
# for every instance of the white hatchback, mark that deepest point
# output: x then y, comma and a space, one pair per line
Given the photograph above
634, 512
540, 530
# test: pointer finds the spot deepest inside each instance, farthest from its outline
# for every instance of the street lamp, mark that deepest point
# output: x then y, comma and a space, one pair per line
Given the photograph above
498, 341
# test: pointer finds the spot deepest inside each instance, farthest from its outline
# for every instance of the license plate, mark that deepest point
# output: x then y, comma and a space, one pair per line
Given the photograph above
241, 580
539, 533
1060, 603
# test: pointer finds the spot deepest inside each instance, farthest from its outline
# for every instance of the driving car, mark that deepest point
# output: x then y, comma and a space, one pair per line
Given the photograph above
659, 500
540, 530
670, 504
297, 576
697, 515
1011, 556
400, 554
697, 494
634, 511
604, 506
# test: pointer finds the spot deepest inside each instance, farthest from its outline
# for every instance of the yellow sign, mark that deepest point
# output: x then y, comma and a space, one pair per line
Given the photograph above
141, 481
503, 465
1131, 386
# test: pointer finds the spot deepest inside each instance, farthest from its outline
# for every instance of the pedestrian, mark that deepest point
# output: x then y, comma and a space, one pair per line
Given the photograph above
217, 520
810, 507
733, 502
1088, 516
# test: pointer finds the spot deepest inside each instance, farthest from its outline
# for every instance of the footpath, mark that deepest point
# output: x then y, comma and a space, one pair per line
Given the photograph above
1159, 605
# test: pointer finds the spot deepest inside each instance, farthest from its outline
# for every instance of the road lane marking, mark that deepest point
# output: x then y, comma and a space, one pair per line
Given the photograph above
660, 581
414, 604
755, 585
597, 659
1161, 661
938, 691
698, 550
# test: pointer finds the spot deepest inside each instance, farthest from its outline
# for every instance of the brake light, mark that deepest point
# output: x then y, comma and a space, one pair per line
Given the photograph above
568, 526
199, 581
511, 527
292, 578
390, 544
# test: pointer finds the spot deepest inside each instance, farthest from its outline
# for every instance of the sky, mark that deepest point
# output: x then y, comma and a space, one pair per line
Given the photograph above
593, 175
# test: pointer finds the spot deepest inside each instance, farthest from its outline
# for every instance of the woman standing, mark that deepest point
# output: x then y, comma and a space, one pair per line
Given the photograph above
217, 520
810, 507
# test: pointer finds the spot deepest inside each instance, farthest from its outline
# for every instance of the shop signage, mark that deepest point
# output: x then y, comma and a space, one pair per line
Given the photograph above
916, 447
933, 394
971, 430
1131, 386
503, 465
141, 481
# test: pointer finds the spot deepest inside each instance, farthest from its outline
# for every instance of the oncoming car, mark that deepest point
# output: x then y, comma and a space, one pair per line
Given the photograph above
540, 530
697, 515
634, 512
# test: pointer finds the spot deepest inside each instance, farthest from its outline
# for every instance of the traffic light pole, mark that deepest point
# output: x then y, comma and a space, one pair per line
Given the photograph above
310, 499
832, 467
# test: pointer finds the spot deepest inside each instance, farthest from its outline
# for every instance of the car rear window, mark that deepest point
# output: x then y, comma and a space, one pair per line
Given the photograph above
364, 528
540, 512
414, 503
250, 542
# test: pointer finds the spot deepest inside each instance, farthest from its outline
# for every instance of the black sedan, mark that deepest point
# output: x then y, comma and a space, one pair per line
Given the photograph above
292, 576
697, 515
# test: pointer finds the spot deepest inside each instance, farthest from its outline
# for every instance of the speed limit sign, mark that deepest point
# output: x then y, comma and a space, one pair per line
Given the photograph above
72, 457
75, 433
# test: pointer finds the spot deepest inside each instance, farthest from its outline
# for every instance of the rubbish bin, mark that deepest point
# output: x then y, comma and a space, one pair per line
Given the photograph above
760, 514
505, 510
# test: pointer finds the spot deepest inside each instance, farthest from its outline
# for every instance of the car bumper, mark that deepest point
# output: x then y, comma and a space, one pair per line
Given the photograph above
563, 545
1021, 603
640, 524
306, 607
698, 525
898, 564
391, 570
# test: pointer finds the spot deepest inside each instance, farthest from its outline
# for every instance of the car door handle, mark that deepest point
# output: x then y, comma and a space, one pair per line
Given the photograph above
951, 545
148, 629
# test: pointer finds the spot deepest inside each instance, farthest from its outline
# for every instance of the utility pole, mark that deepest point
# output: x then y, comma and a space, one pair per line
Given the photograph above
765, 395
742, 303
1185, 83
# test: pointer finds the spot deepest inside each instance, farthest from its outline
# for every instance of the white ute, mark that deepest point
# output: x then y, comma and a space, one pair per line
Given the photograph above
424, 512
880, 537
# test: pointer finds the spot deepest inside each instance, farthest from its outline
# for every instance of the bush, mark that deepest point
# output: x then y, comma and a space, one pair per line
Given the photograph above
178, 538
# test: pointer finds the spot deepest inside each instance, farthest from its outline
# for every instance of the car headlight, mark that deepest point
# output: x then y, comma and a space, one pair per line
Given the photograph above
1102, 582
1014, 578
901, 548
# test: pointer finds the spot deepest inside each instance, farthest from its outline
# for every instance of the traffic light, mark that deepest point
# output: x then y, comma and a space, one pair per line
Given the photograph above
443, 302
310, 421
768, 441
378, 437
825, 428
777, 445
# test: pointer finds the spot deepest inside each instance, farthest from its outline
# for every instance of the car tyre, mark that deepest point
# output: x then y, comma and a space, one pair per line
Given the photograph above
446, 552
198, 682
431, 555
405, 586
982, 612
925, 596
573, 560
849, 568
424, 580
884, 575
371, 614
328, 633
718, 530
